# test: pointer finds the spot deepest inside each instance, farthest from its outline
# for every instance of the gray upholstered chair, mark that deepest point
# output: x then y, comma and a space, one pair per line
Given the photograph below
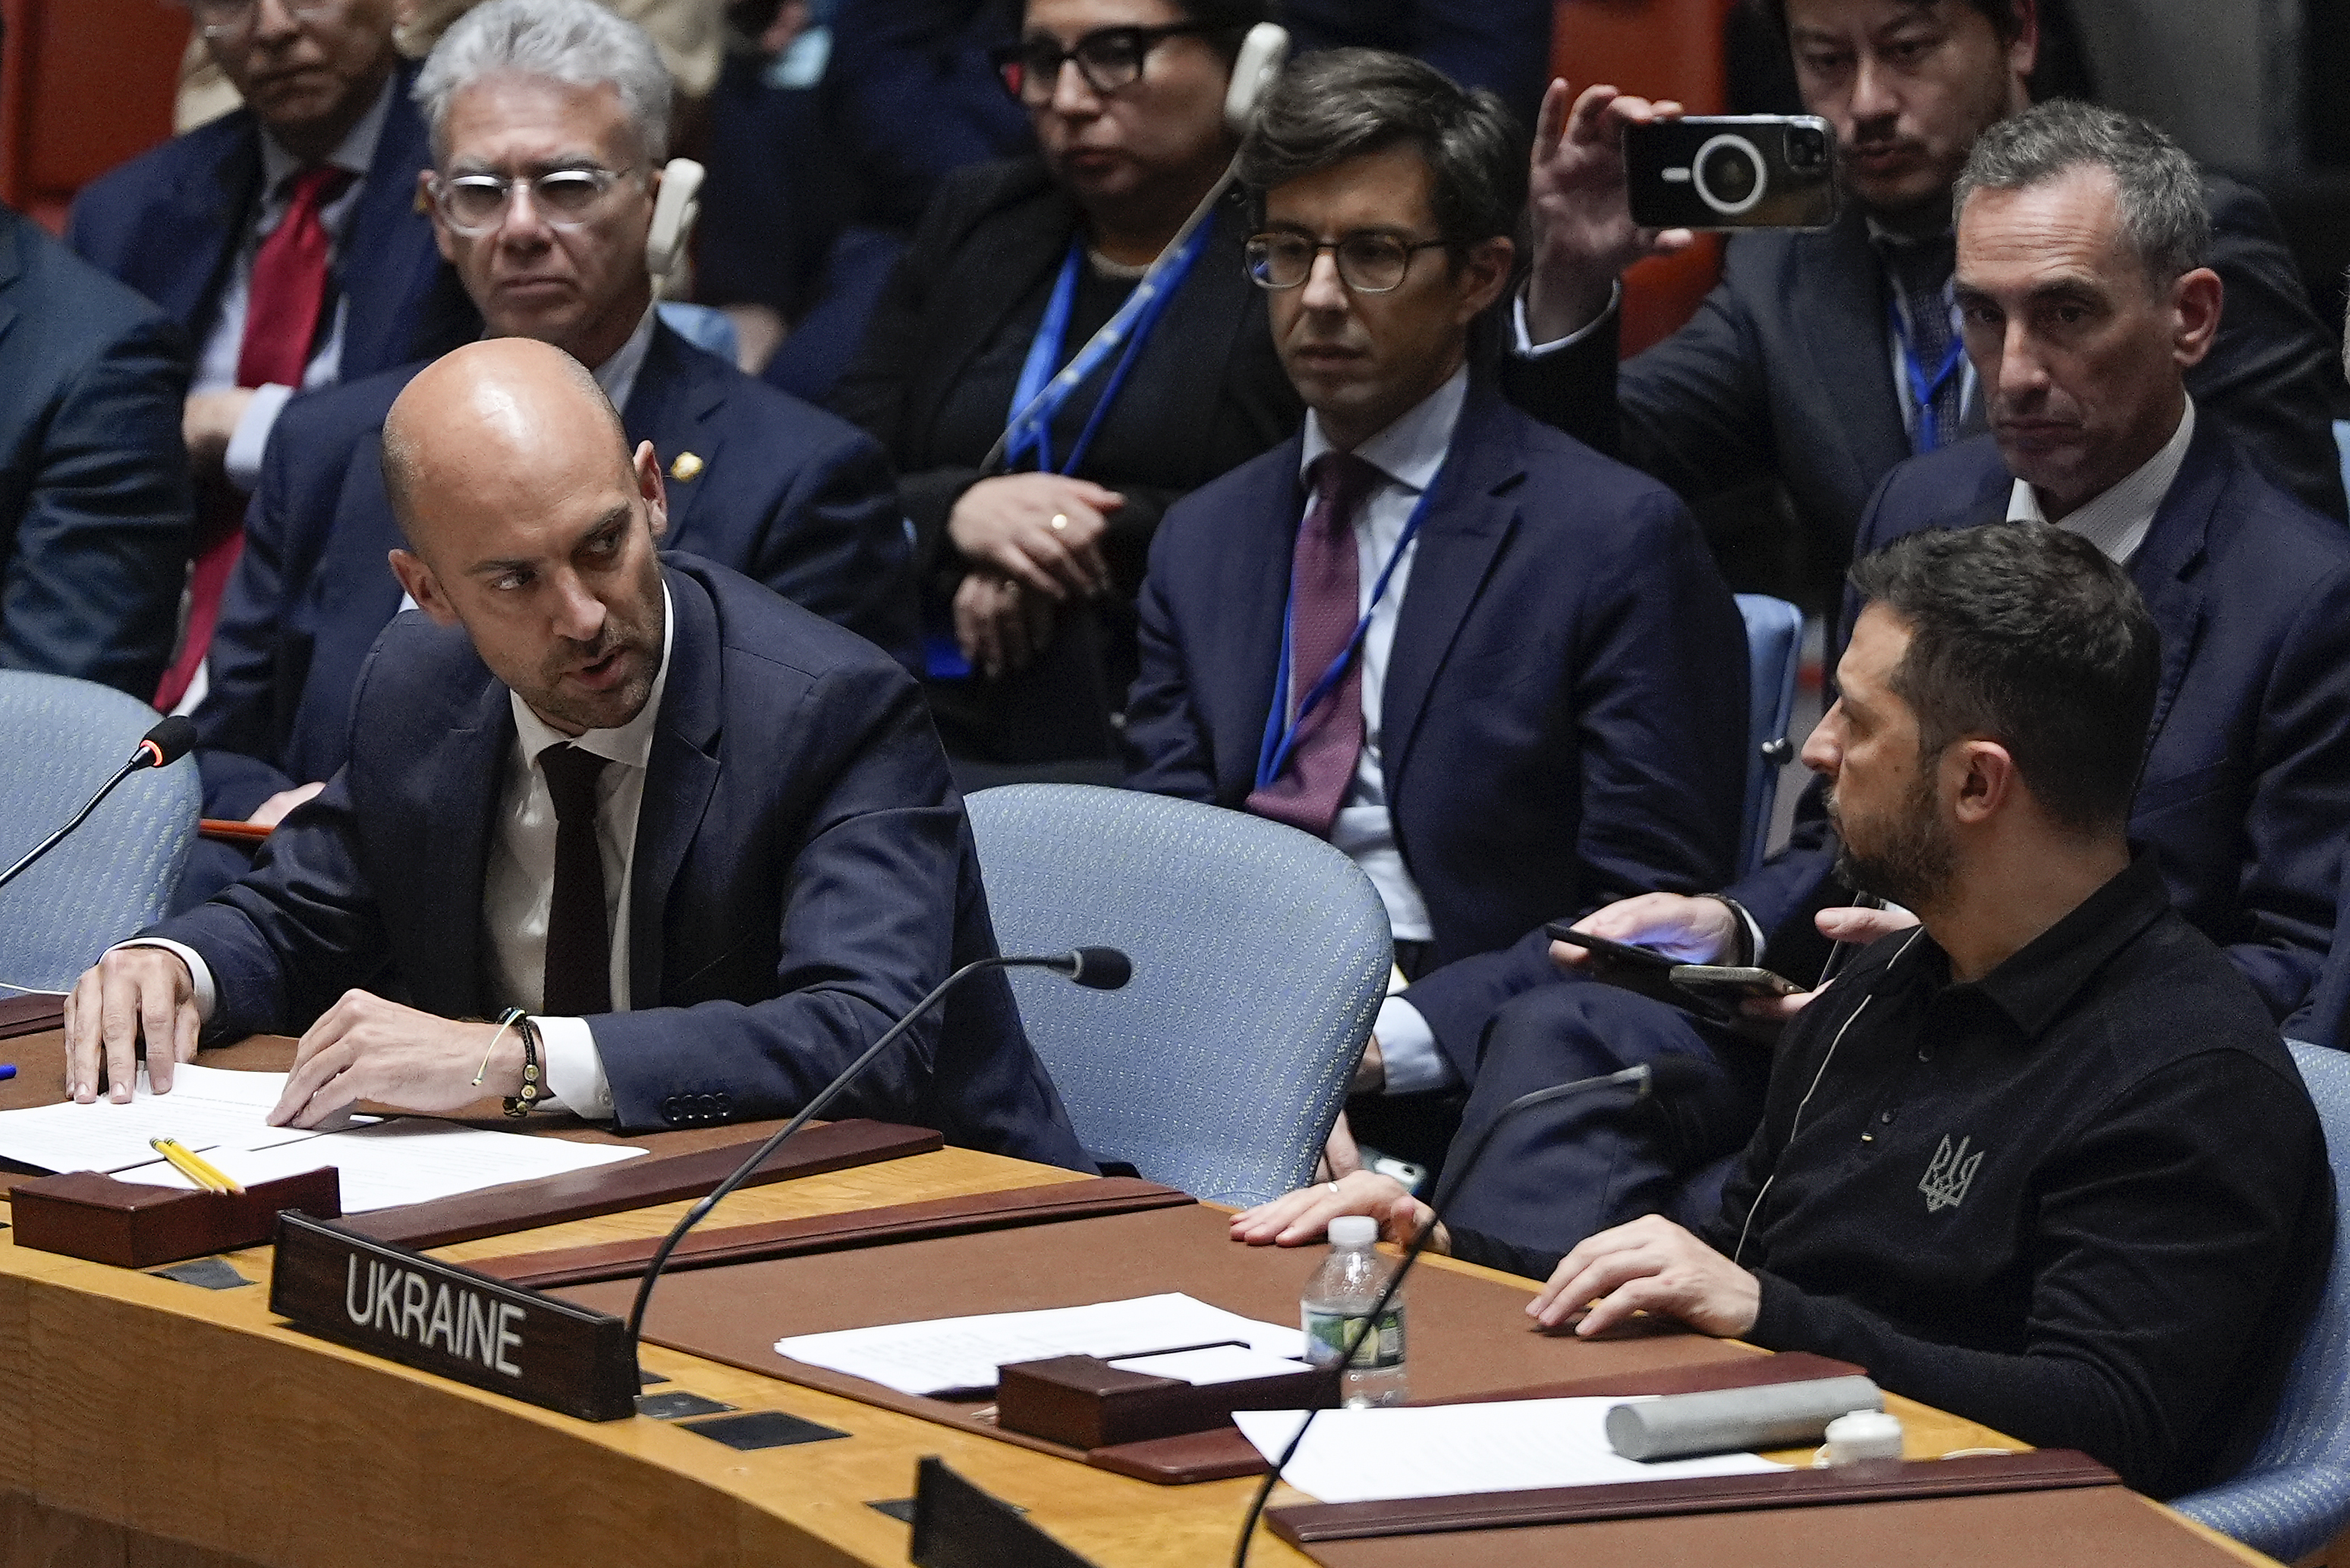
1260, 957
59, 740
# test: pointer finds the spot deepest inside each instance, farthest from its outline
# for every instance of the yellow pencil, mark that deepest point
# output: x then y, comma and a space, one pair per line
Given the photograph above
186, 1161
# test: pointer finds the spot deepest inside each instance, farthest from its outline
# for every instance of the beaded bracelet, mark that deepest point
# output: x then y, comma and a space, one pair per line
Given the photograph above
519, 1105
506, 1021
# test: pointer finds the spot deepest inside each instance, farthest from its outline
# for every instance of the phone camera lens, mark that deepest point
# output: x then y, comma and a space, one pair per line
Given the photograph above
1728, 173
1807, 148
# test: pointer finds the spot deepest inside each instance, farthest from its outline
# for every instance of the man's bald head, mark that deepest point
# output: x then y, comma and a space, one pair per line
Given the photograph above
506, 413
530, 522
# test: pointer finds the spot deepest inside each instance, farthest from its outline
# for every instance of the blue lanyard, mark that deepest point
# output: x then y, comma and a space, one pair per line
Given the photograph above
1038, 399
1280, 738
1930, 435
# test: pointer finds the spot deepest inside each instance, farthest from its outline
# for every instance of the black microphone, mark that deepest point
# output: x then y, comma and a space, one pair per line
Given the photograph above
1666, 1074
1102, 969
162, 746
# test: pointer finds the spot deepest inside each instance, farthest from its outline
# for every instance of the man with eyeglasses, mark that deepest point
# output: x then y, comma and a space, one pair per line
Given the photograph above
542, 198
1495, 668
285, 240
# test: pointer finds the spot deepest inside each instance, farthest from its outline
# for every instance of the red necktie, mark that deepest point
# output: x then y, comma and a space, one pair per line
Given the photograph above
1324, 589
578, 941
282, 307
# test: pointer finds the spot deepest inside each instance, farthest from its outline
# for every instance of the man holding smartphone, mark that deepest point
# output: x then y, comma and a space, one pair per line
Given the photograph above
1822, 359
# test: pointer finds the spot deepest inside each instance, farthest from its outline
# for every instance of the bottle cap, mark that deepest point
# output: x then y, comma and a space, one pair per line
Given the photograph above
1862, 1434
1354, 1230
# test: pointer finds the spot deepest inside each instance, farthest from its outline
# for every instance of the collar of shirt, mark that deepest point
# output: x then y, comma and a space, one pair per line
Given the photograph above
2032, 986
1412, 448
2117, 521
355, 154
631, 743
617, 375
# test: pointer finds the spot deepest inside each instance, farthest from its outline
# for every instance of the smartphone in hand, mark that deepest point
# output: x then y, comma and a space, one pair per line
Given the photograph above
1731, 171
1605, 949
1730, 983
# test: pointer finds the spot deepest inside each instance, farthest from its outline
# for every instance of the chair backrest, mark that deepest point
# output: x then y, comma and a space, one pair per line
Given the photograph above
1774, 645
63, 739
1260, 957
2295, 1494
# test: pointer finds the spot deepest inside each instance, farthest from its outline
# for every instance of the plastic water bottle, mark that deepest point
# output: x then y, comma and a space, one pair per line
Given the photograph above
1339, 1297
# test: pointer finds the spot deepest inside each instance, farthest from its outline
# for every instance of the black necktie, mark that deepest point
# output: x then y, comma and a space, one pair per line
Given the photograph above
578, 943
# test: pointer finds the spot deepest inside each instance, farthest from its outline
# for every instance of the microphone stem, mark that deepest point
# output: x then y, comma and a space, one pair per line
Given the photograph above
51, 842
808, 1112
1419, 1244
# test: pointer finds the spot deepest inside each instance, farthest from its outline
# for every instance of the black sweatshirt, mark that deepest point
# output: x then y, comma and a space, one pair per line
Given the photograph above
2084, 1201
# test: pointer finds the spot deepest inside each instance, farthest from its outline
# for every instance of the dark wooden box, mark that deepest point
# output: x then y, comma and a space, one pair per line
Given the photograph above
86, 1215
1085, 1402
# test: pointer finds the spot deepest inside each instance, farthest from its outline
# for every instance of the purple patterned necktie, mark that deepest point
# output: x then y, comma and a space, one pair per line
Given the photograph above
1326, 592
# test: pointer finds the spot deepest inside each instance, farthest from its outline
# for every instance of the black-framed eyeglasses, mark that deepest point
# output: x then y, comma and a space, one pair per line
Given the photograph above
1369, 262
563, 198
1108, 58
233, 19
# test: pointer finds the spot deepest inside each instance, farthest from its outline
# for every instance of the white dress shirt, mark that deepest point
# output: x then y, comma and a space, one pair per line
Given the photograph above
2116, 520
518, 884
215, 368
1408, 453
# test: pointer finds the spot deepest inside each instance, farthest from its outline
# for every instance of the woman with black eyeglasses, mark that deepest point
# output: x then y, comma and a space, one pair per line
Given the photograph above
1030, 565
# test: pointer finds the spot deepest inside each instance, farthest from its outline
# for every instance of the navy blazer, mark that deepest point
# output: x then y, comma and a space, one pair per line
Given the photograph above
2246, 787
785, 494
170, 223
803, 875
95, 505
1565, 713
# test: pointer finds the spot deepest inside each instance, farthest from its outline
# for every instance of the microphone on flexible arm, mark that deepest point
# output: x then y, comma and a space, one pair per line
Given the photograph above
1098, 969
1666, 1076
162, 746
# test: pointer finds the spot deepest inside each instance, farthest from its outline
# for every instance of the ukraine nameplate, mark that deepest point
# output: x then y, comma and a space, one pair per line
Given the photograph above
437, 1317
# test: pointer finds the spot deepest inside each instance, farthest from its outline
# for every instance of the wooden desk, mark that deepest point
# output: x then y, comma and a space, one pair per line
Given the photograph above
149, 1423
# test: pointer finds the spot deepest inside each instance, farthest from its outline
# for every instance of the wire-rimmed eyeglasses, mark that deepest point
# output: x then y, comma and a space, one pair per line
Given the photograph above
476, 203
1369, 262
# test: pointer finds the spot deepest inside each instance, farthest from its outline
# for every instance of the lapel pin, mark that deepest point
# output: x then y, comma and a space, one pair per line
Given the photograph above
686, 466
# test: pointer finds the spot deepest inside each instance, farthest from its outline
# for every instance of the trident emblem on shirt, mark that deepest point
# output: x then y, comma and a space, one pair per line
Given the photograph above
1949, 1177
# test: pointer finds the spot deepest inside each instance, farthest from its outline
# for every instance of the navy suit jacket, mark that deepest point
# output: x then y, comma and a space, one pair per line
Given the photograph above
170, 223
1564, 714
95, 506
2246, 787
803, 875
786, 493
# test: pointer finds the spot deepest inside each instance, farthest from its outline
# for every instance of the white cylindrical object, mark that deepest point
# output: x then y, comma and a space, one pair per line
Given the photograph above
1862, 1434
1774, 1415
1354, 1230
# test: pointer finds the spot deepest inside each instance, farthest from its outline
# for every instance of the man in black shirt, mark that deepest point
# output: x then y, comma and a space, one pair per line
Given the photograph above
2043, 1161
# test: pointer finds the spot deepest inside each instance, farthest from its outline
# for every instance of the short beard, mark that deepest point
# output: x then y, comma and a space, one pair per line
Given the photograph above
1914, 865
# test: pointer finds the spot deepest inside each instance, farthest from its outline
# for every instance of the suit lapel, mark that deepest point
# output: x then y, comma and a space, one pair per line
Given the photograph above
676, 393
1468, 518
446, 880
381, 254
12, 237
679, 778
2174, 544
1252, 575
1836, 278
1025, 240
211, 214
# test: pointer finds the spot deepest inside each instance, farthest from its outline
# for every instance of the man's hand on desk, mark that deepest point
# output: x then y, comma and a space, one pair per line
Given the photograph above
1301, 1217
1650, 1265
130, 993
365, 1048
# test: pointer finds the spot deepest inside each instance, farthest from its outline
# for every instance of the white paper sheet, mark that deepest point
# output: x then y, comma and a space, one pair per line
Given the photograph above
408, 1160
957, 1353
1444, 1450
1222, 1364
208, 1109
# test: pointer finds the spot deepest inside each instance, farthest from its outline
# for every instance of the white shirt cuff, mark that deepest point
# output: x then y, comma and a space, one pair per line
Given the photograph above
243, 460
198, 971
1408, 1048
575, 1072
1525, 348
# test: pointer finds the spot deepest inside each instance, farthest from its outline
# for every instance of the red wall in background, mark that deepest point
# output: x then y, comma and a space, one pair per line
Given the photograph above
84, 84
1655, 48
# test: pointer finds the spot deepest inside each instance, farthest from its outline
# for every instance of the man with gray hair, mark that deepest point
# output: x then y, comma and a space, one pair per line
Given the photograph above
2085, 303
549, 122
